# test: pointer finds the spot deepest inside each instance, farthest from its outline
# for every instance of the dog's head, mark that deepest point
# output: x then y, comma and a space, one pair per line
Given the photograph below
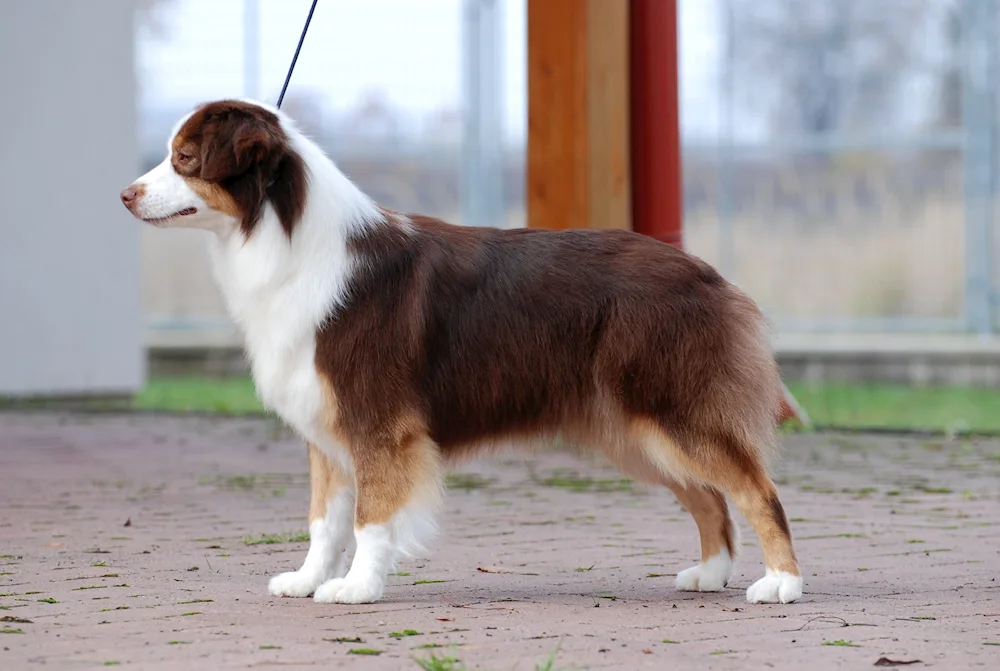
226, 163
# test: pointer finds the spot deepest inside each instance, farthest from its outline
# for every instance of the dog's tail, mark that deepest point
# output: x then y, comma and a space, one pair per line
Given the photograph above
791, 410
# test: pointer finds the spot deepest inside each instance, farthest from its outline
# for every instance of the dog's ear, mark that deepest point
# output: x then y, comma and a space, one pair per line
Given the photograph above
233, 147
287, 190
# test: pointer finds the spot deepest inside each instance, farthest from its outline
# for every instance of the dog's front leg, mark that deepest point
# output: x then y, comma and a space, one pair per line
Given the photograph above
398, 489
331, 538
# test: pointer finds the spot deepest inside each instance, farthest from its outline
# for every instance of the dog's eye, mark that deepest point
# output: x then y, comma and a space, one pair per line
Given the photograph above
183, 158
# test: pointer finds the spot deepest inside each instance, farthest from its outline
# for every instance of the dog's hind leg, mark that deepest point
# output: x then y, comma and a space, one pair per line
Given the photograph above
719, 541
757, 498
650, 456
736, 469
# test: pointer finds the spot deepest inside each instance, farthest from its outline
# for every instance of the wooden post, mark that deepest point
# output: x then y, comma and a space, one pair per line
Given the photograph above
578, 173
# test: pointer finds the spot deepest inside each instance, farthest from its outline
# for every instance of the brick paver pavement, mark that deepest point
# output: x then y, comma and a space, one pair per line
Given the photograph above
123, 541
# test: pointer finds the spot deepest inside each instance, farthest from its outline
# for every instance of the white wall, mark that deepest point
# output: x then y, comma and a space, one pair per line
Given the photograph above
70, 308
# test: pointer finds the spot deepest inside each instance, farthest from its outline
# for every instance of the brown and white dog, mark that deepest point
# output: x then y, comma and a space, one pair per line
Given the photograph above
396, 344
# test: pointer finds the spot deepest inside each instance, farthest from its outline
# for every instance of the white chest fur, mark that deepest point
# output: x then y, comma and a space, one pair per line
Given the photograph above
279, 291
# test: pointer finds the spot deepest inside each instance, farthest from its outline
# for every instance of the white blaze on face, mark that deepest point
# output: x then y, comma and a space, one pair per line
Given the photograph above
166, 199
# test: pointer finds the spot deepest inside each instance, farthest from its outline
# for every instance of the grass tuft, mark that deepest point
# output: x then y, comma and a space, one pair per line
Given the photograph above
466, 481
277, 539
435, 663
576, 483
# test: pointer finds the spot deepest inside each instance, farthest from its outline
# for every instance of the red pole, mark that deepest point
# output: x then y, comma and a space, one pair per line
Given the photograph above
657, 195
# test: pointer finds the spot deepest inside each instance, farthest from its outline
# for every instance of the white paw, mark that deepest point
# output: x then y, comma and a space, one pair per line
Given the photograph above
776, 587
350, 590
709, 576
295, 583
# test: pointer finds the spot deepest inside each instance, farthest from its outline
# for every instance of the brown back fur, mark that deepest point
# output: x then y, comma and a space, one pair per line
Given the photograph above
491, 334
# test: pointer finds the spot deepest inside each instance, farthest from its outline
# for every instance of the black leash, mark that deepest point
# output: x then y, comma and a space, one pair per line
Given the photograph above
302, 39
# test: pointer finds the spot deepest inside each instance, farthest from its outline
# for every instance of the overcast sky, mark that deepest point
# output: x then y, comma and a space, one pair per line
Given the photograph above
410, 49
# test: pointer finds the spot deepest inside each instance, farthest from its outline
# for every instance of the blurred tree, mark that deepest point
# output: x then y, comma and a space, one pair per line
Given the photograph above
814, 67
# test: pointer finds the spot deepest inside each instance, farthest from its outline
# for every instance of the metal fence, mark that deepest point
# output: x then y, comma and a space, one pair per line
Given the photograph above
848, 181
840, 155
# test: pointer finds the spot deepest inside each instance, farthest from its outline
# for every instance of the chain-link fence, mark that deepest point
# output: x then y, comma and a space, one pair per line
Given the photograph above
839, 154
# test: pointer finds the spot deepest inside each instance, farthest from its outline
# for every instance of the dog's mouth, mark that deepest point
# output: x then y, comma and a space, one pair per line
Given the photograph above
182, 213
